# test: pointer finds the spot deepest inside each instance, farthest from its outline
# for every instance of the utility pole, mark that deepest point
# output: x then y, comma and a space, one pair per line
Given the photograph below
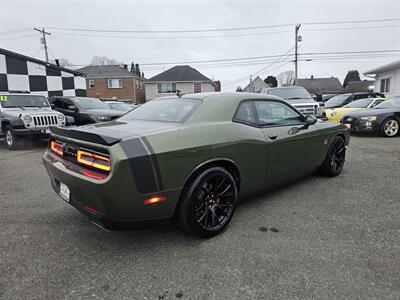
296, 40
43, 41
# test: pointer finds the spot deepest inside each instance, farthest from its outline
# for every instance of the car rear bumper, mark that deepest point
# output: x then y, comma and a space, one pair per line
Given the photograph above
112, 202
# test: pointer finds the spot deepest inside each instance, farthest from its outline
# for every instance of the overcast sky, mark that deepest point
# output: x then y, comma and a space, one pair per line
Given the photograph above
79, 47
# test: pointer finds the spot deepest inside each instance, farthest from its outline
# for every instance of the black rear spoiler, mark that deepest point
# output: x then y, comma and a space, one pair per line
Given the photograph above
85, 134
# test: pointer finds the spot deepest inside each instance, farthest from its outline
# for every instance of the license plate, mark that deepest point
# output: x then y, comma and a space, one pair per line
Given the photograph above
348, 125
64, 192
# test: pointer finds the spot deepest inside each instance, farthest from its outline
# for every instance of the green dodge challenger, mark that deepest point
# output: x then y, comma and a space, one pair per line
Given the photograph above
190, 158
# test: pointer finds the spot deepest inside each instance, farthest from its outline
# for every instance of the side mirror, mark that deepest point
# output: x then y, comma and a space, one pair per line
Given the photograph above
310, 120
73, 107
52, 106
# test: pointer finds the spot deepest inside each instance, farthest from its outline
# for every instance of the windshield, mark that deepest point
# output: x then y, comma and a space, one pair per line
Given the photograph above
290, 93
120, 106
362, 103
164, 110
89, 103
390, 103
337, 100
23, 101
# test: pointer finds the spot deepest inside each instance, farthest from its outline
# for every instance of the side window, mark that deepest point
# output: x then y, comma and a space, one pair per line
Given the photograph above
245, 113
58, 103
276, 113
377, 102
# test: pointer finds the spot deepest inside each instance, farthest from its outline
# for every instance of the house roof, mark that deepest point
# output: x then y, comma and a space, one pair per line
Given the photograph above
107, 71
359, 86
321, 85
387, 67
257, 83
38, 61
180, 73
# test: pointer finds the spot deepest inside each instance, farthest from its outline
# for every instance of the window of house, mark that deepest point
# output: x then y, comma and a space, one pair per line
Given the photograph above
385, 85
114, 83
91, 83
137, 84
164, 88
197, 87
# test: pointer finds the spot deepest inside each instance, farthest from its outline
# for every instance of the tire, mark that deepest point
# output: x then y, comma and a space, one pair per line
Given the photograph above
12, 141
390, 128
335, 158
208, 202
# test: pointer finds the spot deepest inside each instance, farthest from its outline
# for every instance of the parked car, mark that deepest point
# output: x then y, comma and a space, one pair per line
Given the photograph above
85, 110
118, 105
383, 118
336, 114
344, 99
25, 115
298, 97
191, 157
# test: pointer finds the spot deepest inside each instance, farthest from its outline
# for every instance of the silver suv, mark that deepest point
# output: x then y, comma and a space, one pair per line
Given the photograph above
298, 97
23, 115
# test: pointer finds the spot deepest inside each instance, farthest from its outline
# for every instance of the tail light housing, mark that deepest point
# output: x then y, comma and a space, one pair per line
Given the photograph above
93, 160
57, 147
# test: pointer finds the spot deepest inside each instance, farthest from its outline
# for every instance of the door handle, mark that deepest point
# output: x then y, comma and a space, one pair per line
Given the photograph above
272, 136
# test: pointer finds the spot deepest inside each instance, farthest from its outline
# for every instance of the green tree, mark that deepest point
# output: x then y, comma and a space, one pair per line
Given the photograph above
271, 81
239, 89
352, 75
137, 70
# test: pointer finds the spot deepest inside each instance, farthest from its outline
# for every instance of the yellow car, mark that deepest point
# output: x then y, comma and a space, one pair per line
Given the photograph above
336, 114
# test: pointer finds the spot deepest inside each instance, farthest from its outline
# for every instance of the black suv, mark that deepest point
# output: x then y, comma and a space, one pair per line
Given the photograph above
85, 110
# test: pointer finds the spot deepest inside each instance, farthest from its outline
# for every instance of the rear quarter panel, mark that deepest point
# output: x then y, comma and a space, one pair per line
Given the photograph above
182, 152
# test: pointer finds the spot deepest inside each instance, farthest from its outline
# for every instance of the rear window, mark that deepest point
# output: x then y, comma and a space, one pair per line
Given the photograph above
164, 110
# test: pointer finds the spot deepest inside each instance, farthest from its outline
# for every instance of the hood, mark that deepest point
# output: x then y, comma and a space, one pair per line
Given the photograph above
372, 112
109, 133
301, 101
105, 112
18, 112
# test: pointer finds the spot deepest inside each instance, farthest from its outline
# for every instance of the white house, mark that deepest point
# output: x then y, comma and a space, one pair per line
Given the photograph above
387, 79
256, 86
179, 78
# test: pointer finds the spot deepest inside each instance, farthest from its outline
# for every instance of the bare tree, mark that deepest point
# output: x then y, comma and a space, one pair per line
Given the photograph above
286, 78
104, 61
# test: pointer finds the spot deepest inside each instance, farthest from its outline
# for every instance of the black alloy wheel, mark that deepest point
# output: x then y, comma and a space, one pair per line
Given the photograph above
335, 158
208, 203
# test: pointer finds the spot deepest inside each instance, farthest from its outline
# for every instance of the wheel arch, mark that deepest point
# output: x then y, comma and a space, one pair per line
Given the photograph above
227, 163
4, 124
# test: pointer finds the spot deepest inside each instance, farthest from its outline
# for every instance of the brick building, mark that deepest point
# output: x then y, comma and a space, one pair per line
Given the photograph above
114, 82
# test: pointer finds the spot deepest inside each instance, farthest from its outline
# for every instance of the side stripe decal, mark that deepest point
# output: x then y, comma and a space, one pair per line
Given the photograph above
144, 165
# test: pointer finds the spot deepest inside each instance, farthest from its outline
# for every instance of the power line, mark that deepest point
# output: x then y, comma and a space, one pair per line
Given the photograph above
18, 37
222, 29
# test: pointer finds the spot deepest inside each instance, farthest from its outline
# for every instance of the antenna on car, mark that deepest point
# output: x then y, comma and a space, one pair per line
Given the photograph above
179, 93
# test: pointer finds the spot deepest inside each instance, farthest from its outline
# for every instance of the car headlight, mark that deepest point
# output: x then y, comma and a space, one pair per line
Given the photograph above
370, 118
103, 118
28, 119
60, 117
333, 113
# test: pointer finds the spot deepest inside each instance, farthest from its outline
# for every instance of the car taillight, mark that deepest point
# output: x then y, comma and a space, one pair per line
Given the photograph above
93, 160
57, 147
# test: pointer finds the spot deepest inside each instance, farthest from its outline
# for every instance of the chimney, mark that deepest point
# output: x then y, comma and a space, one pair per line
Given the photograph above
125, 67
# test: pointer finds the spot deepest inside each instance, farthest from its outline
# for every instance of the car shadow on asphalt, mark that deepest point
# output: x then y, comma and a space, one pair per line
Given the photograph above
27, 145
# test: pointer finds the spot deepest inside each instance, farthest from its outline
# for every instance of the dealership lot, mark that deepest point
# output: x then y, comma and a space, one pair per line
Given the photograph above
317, 238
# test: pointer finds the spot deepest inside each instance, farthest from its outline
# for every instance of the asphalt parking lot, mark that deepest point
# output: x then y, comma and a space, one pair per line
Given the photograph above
317, 238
